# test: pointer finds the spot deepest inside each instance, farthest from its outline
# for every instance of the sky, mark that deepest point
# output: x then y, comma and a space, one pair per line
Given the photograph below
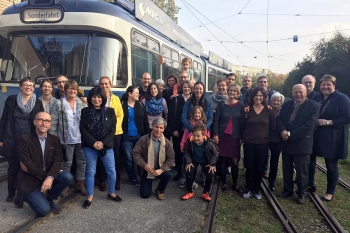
321, 17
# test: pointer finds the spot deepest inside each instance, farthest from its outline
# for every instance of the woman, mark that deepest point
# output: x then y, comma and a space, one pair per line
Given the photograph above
17, 120
220, 95
66, 116
198, 98
331, 132
154, 104
227, 134
46, 87
255, 122
175, 124
160, 84
113, 102
277, 99
135, 125
98, 127
171, 80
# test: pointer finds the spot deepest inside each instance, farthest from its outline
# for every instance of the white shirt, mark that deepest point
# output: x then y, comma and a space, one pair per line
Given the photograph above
108, 101
74, 136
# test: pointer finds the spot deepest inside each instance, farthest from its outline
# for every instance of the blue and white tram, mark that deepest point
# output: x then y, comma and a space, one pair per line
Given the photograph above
85, 40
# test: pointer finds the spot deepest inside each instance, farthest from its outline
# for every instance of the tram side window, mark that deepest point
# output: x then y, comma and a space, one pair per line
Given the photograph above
145, 59
171, 62
211, 79
197, 71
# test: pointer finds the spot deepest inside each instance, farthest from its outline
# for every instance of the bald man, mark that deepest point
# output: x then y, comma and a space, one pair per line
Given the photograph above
309, 82
40, 180
295, 124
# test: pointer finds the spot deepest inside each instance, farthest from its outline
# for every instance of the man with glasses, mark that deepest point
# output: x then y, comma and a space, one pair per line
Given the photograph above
309, 82
60, 81
230, 79
145, 81
183, 76
264, 84
40, 180
245, 90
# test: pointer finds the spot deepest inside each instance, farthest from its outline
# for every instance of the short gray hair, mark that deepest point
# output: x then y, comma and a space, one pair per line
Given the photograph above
277, 95
313, 77
159, 121
160, 81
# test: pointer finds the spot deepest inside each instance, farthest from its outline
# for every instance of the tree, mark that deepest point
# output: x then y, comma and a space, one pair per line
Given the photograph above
328, 57
169, 7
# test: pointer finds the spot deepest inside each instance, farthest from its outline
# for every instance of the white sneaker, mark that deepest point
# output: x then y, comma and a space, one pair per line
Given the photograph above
247, 194
194, 185
257, 195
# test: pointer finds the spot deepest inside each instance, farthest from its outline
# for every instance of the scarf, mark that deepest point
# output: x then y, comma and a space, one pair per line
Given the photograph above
244, 95
30, 105
154, 107
296, 109
100, 126
218, 98
150, 152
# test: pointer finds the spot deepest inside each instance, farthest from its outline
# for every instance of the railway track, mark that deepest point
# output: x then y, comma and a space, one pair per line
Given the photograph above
340, 181
209, 223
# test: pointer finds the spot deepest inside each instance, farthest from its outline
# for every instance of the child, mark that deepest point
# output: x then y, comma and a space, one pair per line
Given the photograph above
186, 64
200, 150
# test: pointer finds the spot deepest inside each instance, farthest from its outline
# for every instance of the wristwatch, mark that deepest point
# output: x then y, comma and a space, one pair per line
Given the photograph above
328, 122
287, 134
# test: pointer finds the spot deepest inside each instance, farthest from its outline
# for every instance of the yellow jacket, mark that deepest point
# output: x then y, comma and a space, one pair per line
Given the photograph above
115, 103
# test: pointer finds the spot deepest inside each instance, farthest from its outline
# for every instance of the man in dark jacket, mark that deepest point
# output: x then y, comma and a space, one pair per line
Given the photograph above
295, 124
154, 154
309, 82
41, 158
145, 81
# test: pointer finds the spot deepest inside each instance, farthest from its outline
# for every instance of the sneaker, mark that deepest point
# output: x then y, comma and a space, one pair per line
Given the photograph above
182, 182
194, 185
257, 195
135, 183
285, 194
206, 197
54, 206
302, 199
247, 194
187, 196
228, 171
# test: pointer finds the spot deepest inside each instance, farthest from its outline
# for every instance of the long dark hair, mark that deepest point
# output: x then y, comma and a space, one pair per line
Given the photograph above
148, 95
202, 101
169, 77
253, 94
130, 89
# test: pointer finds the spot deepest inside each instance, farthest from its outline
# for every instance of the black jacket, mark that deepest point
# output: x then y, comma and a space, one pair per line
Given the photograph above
175, 112
7, 123
312, 95
211, 151
141, 119
88, 136
301, 128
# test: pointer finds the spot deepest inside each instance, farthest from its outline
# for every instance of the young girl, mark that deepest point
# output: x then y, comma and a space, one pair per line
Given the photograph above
200, 150
196, 115
186, 64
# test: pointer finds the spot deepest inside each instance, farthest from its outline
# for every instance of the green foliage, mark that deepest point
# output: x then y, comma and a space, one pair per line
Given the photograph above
328, 57
169, 7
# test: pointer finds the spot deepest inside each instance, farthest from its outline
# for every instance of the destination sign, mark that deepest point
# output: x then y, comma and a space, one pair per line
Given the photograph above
149, 13
44, 15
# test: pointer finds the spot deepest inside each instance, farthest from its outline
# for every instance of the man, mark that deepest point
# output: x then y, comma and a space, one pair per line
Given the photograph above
264, 84
183, 76
60, 81
245, 90
145, 81
40, 180
295, 123
309, 82
154, 154
230, 79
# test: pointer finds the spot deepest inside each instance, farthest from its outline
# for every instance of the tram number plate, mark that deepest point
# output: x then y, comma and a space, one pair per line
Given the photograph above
45, 15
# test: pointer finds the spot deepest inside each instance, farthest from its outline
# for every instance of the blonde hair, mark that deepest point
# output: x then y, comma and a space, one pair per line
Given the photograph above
328, 77
186, 59
203, 117
105, 77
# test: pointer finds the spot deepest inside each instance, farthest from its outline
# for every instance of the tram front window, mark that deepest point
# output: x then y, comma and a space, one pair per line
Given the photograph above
84, 58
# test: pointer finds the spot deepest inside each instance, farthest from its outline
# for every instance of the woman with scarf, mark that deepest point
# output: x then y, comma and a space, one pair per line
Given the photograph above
97, 126
48, 100
17, 120
155, 105
220, 95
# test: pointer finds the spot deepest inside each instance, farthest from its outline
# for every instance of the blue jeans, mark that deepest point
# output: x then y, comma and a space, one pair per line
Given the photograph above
146, 184
37, 200
91, 161
332, 175
128, 143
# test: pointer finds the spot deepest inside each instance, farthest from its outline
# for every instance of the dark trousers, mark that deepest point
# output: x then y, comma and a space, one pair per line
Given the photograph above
332, 175
178, 153
13, 170
255, 155
312, 170
38, 201
146, 184
223, 163
275, 156
301, 164
100, 168
191, 176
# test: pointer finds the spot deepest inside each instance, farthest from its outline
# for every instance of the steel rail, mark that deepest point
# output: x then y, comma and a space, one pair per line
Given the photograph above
340, 181
209, 223
288, 225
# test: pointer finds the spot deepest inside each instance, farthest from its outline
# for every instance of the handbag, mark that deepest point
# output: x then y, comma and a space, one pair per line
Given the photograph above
64, 141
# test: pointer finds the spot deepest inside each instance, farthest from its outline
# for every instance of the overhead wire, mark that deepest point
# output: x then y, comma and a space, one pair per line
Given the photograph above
298, 15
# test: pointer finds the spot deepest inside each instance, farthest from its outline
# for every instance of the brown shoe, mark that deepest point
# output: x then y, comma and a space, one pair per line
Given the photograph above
65, 192
80, 187
102, 186
266, 175
117, 185
160, 196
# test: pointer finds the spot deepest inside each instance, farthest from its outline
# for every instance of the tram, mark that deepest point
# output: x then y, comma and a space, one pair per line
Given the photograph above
87, 39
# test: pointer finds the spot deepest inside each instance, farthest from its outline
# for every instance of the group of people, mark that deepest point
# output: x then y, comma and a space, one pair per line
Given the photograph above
162, 125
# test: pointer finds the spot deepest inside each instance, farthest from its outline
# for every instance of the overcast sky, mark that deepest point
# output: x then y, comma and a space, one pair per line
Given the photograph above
332, 15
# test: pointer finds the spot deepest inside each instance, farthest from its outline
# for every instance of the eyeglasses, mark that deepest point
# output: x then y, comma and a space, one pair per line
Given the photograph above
47, 87
183, 77
146, 79
28, 85
63, 82
40, 120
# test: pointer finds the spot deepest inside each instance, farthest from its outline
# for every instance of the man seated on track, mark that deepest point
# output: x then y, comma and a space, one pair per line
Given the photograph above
40, 180
154, 154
